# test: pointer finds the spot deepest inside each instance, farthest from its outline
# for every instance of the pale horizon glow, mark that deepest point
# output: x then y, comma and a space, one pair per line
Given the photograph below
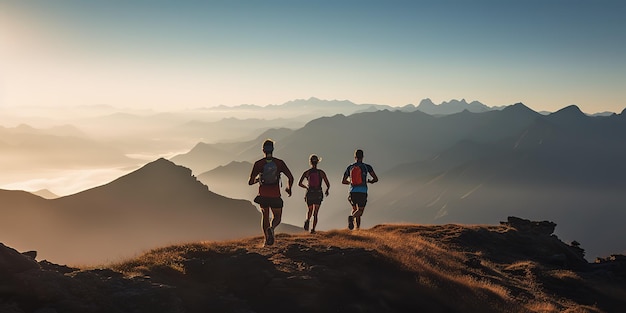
170, 55
67, 182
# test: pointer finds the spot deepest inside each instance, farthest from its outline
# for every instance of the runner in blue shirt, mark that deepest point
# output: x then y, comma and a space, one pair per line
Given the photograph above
356, 175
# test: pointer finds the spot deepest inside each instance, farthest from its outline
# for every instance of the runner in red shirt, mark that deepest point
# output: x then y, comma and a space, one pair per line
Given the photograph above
266, 172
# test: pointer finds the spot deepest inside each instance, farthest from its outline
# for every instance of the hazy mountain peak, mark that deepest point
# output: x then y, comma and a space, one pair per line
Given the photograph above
426, 103
518, 107
158, 174
408, 108
571, 109
571, 112
312, 101
451, 107
24, 128
45, 193
163, 164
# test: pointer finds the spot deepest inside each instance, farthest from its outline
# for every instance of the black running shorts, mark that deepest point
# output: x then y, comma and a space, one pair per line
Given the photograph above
314, 196
358, 198
267, 202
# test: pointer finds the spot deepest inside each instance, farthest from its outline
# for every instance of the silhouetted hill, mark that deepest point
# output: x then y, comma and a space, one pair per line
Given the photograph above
213, 157
230, 180
517, 266
158, 204
46, 194
568, 115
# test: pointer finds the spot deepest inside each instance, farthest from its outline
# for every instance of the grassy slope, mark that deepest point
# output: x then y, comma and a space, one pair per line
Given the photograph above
390, 268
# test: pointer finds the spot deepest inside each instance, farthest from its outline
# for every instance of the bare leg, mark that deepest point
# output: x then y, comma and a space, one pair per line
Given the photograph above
357, 216
277, 214
316, 209
265, 220
309, 212
355, 209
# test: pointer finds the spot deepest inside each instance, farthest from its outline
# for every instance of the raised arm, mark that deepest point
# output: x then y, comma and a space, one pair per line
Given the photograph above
254, 176
325, 178
287, 173
346, 174
301, 180
374, 177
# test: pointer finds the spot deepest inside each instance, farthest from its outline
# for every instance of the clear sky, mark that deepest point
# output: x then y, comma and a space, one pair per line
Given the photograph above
182, 54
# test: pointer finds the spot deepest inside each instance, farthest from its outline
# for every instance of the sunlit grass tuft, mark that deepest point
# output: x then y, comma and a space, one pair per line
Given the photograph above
158, 260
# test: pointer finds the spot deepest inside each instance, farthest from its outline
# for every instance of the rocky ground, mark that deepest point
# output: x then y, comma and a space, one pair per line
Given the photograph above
518, 266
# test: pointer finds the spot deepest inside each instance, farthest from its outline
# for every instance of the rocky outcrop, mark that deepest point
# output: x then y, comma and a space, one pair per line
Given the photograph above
537, 237
43, 287
524, 225
612, 266
13, 262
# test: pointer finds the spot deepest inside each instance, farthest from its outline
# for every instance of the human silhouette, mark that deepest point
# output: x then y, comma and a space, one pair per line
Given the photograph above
266, 172
356, 175
314, 194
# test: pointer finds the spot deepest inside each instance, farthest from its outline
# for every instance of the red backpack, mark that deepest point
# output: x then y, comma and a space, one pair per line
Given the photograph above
357, 175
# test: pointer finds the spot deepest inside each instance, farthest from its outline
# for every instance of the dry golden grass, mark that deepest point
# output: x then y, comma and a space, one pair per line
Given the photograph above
439, 267
167, 258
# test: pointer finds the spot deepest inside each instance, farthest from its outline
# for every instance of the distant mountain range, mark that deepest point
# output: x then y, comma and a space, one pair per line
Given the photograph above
451, 107
463, 163
104, 136
461, 168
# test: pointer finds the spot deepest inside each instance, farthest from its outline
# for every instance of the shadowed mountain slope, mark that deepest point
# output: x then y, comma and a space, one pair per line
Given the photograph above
514, 267
230, 180
161, 203
545, 172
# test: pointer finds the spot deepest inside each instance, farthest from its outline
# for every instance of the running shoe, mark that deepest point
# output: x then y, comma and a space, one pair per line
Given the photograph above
306, 225
351, 222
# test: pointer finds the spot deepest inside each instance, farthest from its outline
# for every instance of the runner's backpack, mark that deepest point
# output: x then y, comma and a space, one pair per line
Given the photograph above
270, 175
358, 175
315, 179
